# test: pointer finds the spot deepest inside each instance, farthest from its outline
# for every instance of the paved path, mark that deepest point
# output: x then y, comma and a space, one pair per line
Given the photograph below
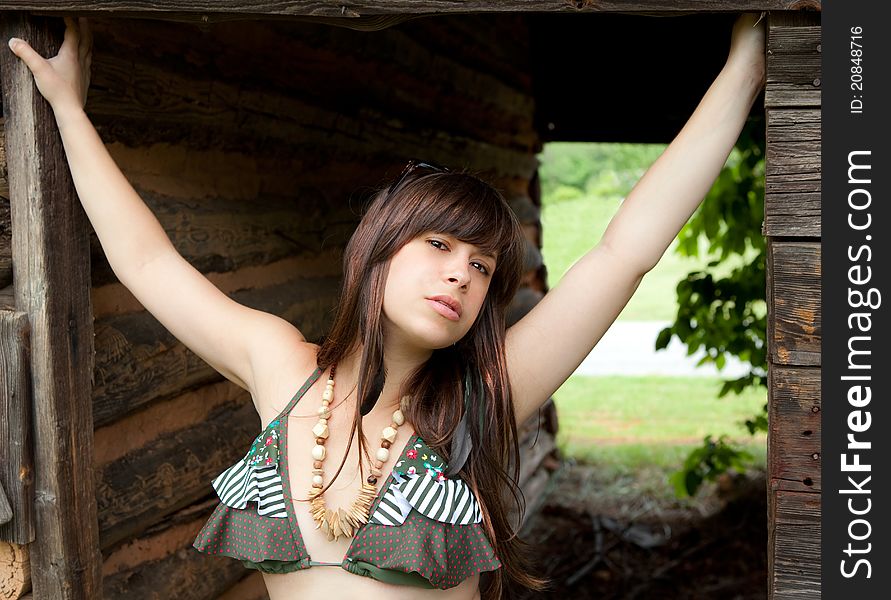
628, 349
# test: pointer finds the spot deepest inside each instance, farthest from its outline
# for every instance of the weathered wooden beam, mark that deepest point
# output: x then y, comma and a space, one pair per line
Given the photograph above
794, 72
794, 546
533, 454
794, 284
165, 367
794, 439
52, 283
171, 471
16, 449
209, 10
227, 97
5, 508
5, 223
792, 173
161, 563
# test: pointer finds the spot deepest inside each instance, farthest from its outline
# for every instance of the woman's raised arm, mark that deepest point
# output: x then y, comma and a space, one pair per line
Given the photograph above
227, 335
546, 346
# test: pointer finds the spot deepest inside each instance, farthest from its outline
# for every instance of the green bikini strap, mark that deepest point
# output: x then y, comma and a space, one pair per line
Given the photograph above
462, 442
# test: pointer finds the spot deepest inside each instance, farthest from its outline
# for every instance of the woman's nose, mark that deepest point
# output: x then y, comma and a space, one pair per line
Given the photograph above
458, 275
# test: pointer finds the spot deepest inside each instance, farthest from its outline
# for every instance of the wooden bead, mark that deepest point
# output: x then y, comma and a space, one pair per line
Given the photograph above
372, 480
376, 472
385, 444
318, 452
320, 430
388, 434
317, 464
382, 454
320, 441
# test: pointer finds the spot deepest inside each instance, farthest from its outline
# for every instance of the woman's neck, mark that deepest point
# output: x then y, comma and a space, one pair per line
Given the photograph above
399, 363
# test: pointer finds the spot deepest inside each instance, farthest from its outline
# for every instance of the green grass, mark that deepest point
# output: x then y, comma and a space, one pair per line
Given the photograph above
635, 429
571, 227
626, 423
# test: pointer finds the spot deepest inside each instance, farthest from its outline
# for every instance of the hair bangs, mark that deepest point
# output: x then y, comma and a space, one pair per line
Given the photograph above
467, 208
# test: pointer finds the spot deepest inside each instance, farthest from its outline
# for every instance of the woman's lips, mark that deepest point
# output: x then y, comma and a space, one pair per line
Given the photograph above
443, 309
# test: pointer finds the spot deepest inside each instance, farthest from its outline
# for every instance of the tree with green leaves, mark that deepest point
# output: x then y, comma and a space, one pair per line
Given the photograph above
726, 315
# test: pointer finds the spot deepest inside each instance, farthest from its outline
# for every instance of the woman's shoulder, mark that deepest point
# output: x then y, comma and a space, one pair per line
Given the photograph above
280, 369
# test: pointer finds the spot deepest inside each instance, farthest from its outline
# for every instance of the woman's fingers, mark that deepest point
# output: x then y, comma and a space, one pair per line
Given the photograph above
71, 41
86, 37
62, 78
29, 56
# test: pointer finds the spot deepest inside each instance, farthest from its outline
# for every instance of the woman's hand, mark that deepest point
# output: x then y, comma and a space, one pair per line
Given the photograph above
63, 79
747, 50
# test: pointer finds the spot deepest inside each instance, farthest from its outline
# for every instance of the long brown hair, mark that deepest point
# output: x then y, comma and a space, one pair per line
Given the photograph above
469, 209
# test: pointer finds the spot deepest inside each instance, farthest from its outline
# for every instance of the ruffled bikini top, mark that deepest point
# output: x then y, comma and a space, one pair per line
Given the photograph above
424, 529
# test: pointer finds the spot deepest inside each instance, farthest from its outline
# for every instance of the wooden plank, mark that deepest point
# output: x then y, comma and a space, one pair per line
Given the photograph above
794, 71
794, 456
5, 222
165, 367
794, 303
5, 508
531, 456
167, 474
209, 10
793, 173
4, 176
15, 570
341, 80
784, 38
52, 283
7, 298
534, 493
270, 256
161, 563
793, 125
16, 449
794, 546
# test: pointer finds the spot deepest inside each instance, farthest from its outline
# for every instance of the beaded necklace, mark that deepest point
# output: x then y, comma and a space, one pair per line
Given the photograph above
345, 522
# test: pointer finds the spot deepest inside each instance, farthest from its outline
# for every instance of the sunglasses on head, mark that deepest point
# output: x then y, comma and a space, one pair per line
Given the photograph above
411, 167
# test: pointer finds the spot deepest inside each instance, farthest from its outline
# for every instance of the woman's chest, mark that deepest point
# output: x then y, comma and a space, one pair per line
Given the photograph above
326, 452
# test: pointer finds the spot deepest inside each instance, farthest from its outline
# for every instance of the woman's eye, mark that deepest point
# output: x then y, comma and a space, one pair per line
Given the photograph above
437, 244
480, 267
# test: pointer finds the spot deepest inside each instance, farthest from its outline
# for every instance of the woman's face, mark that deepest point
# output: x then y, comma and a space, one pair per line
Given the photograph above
435, 289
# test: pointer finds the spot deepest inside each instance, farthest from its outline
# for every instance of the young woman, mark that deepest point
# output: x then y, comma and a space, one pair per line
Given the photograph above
418, 356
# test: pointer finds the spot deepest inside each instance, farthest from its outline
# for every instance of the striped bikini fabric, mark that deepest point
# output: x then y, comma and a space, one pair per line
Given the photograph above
241, 483
449, 501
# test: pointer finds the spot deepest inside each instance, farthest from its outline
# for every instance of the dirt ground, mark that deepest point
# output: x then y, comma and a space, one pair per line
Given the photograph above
619, 539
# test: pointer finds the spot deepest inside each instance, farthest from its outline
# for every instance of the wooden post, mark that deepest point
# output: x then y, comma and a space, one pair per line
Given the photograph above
792, 227
51, 282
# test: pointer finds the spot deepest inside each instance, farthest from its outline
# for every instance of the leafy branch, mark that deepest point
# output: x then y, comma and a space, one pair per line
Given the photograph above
724, 312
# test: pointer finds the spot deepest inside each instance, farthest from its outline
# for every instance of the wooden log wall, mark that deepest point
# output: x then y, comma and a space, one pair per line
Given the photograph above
792, 226
255, 143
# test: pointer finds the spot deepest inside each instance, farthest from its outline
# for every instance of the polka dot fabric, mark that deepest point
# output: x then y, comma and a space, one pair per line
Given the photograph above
444, 554
243, 534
